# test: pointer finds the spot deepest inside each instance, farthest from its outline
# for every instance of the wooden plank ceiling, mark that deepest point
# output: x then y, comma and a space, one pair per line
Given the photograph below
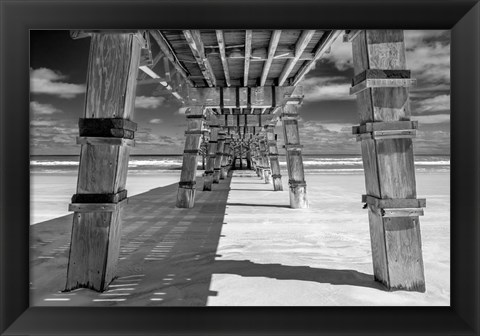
240, 58
232, 58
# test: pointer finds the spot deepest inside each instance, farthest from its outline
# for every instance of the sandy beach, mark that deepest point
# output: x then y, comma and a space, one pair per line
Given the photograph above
241, 245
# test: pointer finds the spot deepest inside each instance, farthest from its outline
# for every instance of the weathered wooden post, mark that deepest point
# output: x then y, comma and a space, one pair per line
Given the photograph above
106, 131
381, 85
273, 154
219, 156
186, 186
252, 156
203, 149
240, 148
224, 166
296, 182
212, 150
249, 158
265, 160
258, 160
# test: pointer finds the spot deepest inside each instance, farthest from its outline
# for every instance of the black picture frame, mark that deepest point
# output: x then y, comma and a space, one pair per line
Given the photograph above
18, 16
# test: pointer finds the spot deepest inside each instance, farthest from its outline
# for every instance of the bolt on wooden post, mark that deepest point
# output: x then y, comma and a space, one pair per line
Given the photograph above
381, 87
105, 133
273, 154
296, 175
186, 186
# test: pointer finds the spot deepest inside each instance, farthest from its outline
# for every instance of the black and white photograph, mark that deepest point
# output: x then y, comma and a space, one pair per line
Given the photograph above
239, 167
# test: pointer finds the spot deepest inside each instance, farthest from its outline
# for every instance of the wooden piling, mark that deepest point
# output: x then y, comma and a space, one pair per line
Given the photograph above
224, 166
219, 156
298, 187
186, 186
267, 175
380, 84
212, 150
109, 105
273, 155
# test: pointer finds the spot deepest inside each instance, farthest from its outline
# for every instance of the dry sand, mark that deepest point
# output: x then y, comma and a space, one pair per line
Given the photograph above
244, 246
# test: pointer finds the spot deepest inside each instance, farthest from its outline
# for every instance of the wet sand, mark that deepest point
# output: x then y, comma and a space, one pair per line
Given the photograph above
242, 245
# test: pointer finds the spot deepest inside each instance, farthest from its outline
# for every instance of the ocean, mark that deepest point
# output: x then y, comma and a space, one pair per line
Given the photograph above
313, 164
53, 179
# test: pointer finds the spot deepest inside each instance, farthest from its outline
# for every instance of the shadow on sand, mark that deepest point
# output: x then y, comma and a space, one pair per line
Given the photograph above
167, 255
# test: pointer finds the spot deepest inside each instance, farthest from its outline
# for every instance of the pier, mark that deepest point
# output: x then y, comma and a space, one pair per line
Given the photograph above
236, 86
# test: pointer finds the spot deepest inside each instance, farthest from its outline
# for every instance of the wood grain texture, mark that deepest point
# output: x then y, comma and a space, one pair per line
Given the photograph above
405, 261
111, 77
89, 250
298, 197
111, 84
113, 249
379, 253
389, 164
396, 169
274, 163
298, 193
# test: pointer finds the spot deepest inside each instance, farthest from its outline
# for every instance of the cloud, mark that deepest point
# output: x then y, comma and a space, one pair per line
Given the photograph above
43, 109
47, 81
434, 104
432, 119
43, 123
156, 121
429, 63
326, 88
431, 140
148, 102
427, 53
327, 138
340, 55
182, 110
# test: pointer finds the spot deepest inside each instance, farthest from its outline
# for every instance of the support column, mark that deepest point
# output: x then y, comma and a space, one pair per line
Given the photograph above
105, 133
258, 161
253, 154
385, 131
186, 186
212, 150
240, 149
265, 161
296, 182
219, 156
273, 154
224, 167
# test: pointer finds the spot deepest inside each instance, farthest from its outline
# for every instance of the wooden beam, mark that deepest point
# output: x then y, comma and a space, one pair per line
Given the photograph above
322, 49
223, 57
169, 53
274, 39
256, 55
195, 43
258, 97
248, 52
300, 46
162, 82
166, 69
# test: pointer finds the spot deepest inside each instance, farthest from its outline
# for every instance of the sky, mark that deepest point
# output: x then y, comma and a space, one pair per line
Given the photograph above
58, 66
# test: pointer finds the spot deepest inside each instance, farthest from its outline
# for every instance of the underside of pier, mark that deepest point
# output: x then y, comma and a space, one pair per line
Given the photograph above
236, 86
